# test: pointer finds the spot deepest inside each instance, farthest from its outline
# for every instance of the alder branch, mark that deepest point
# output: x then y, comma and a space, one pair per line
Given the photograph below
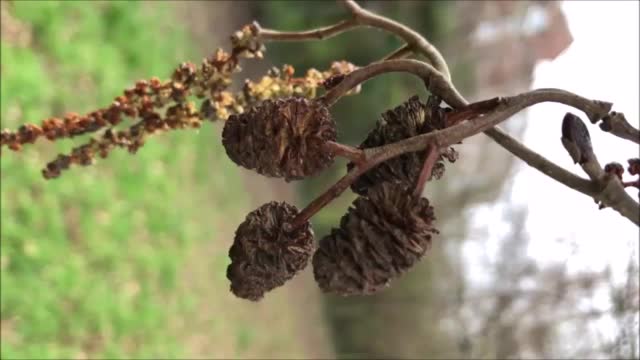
616, 124
506, 108
438, 84
400, 53
434, 80
314, 34
609, 187
550, 169
449, 94
349, 152
413, 39
427, 167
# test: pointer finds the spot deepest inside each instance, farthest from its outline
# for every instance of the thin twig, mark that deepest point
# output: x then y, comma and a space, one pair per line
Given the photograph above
508, 107
434, 80
610, 188
616, 123
314, 34
546, 167
438, 85
349, 152
326, 197
430, 160
410, 36
472, 110
449, 136
400, 53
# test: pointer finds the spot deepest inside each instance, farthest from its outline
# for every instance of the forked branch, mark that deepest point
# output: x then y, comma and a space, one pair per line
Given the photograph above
438, 80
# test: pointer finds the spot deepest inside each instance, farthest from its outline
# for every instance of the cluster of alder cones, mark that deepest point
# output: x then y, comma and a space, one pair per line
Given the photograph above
383, 234
278, 128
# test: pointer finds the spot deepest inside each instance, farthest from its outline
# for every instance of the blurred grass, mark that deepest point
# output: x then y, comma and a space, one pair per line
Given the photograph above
91, 262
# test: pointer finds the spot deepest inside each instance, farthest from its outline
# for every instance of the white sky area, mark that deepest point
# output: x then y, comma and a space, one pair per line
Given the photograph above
565, 226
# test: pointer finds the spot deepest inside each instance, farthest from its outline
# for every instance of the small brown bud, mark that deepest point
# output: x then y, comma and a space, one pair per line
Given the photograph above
634, 166
614, 168
141, 87
576, 139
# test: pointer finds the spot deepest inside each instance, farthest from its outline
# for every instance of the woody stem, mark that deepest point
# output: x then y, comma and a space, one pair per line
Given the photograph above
442, 138
371, 158
634, 183
349, 152
471, 110
430, 160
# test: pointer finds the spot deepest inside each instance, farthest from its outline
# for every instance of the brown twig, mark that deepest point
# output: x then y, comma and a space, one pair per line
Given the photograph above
321, 201
442, 138
472, 110
317, 34
632, 183
413, 39
434, 80
349, 152
360, 17
546, 167
616, 124
508, 107
607, 183
427, 167
400, 53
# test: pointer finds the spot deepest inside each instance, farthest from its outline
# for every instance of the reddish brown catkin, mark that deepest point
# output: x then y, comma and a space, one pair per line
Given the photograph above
144, 102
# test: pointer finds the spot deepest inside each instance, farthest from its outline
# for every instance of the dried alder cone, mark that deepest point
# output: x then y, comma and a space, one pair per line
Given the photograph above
263, 255
382, 236
281, 138
410, 119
